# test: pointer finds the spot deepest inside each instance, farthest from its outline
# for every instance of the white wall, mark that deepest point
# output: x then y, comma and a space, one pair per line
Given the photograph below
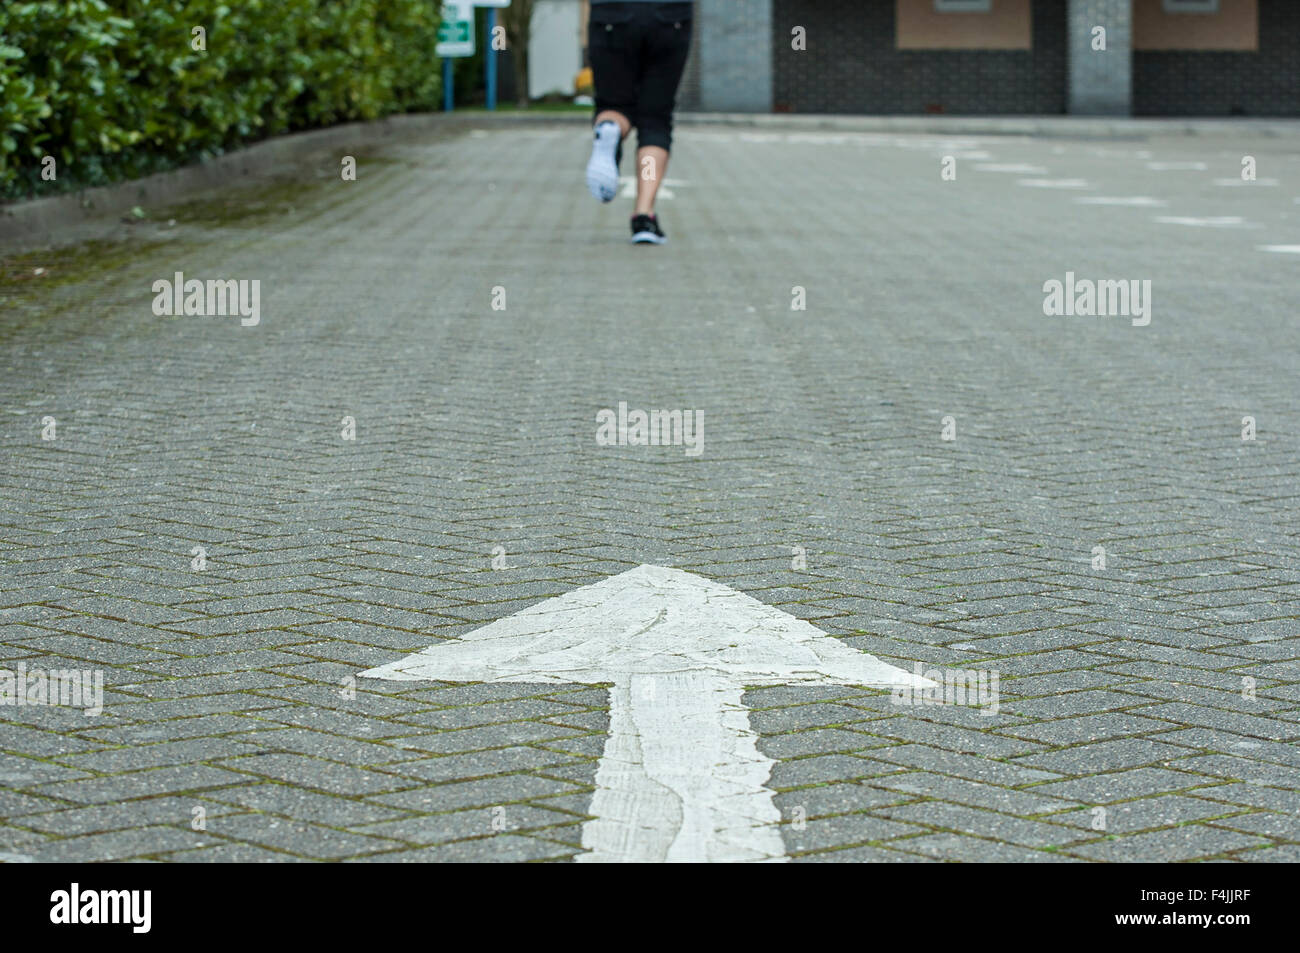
555, 51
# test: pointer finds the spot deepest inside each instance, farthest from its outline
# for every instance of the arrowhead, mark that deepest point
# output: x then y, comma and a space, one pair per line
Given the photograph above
648, 621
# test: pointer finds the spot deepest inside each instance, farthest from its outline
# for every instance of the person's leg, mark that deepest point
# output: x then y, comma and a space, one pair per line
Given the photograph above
651, 167
668, 43
613, 115
613, 50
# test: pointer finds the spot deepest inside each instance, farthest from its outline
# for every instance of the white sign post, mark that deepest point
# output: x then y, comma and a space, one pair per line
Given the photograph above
681, 778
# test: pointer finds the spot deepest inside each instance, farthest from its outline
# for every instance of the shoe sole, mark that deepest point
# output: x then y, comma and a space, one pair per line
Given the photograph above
602, 175
648, 238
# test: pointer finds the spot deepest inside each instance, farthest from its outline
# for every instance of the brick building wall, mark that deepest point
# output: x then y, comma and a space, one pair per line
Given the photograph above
852, 65
1222, 82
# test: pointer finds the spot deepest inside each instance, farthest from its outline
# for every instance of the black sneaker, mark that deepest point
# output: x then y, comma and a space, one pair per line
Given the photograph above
646, 230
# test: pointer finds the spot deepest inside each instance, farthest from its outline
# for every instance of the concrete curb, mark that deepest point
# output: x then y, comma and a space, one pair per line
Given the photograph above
1047, 126
41, 220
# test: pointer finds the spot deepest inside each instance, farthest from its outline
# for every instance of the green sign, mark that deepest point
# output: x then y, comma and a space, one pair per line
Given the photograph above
456, 32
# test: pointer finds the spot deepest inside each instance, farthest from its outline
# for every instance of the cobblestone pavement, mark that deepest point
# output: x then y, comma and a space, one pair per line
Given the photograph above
1163, 688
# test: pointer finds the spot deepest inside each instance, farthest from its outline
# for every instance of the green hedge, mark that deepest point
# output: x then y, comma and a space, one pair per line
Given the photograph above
113, 89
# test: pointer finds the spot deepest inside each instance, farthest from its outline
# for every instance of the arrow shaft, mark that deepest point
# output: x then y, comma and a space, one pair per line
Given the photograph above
681, 778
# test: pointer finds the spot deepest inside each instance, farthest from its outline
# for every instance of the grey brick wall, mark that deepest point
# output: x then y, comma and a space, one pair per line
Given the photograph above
1100, 81
1221, 83
688, 93
852, 65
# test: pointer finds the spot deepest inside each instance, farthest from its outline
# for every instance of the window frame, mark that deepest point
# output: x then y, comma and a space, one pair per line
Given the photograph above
1189, 6
963, 6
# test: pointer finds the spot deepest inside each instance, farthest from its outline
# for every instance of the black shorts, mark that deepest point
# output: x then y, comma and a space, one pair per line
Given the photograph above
637, 53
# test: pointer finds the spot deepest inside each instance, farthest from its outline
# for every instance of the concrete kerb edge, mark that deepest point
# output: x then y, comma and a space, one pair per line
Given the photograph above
1060, 126
38, 220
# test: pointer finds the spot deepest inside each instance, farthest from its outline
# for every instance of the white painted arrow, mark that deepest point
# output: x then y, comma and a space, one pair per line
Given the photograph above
680, 778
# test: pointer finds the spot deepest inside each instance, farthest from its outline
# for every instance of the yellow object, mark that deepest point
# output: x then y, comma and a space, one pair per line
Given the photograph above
583, 83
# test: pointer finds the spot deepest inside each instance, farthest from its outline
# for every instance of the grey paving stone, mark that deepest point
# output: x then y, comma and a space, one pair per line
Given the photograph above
1120, 785
1250, 794
1086, 728
1242, 769
176, 779
954, 847
1103, 756
296, 837
481, 763
962, 765
950, 737
1238, 722
1189, 842
821, 769
1021, 803
828, 799
110, 817
295, 802
1146, 814
19, 772
1286, 854
980, 823
484, 792
502, 848
1280, 827
13, 804
320, 744
136, 757
20, 841
815, 742
315, 773
1077, 703
229, 853
470, 716
485, 737
119, 845
841, 829
803, 717
1210, 741
858, 855
427, 829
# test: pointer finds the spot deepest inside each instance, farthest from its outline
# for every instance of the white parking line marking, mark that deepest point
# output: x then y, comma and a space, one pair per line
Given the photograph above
1054, 183
1018, 168
1142, 201
681, 778
1222, 221
1280, 249
1229, 183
